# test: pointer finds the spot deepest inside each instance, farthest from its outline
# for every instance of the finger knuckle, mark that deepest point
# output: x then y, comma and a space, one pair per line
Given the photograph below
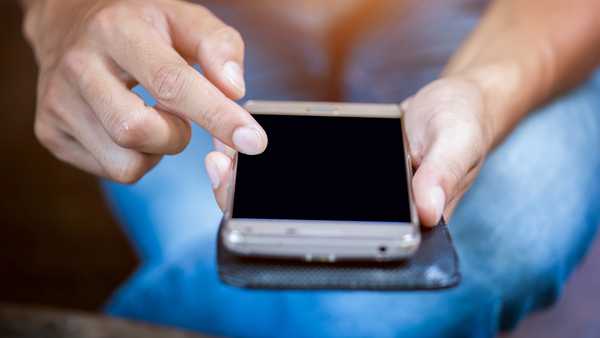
152, 15
102, 21
130, 131
49, 139
442, 89
213, 118
105, 19
43, 134
224, 39
99, 95
129, 172
169, 83
184, 134
50, 101
199, 11
74, 62
29, 28
229, 34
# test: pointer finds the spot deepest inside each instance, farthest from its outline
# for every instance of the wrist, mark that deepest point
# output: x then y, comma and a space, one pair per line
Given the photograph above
514, 66
509, 90
503, 103
48, 22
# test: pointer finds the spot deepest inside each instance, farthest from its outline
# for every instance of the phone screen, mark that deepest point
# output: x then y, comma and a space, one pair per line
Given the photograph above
325, 168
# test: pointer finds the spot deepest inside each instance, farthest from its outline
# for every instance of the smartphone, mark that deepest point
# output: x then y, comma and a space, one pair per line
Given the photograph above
332, 185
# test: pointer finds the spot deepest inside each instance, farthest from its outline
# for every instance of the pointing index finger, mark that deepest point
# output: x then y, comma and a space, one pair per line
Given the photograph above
178, 88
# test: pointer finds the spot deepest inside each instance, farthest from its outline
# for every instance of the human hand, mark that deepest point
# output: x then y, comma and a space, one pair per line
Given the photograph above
90, 53
448, 133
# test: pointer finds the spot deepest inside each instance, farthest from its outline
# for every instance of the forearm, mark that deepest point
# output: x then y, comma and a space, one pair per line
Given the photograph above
525, 52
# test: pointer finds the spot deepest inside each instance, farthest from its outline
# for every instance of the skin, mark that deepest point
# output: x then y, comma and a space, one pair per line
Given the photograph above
91, 52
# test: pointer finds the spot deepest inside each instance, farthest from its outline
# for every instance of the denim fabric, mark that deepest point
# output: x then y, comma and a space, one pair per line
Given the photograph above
520, 230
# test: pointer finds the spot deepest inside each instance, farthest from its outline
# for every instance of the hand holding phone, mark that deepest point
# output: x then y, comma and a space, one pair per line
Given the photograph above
449, 133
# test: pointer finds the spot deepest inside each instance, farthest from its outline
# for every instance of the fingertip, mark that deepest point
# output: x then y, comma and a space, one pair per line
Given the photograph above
250, 140
430, 200
234, 74
217, 166
437, 201
221, 56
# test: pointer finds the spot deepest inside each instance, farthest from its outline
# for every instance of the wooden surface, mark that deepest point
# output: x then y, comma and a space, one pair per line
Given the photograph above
58, 242
22, 322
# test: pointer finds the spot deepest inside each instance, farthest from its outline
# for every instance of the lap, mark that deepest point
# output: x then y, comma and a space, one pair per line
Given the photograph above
185, 292
534, 210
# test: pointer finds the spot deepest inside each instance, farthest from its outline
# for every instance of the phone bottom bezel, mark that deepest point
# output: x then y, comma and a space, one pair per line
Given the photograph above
326, 241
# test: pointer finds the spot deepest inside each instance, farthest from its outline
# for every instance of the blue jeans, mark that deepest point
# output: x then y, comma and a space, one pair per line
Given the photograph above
521, 229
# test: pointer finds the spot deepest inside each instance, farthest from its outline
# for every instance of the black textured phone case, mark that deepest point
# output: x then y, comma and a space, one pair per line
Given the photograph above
434, 266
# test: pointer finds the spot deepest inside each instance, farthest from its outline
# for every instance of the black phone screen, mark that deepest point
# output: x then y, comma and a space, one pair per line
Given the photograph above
325, 168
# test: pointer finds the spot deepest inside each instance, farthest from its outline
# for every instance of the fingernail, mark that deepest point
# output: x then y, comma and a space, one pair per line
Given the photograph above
235, 75
248, 140
438, 200
216, 167
213, 173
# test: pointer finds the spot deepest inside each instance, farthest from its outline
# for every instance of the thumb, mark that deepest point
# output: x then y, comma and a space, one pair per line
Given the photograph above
445, 165
447, 140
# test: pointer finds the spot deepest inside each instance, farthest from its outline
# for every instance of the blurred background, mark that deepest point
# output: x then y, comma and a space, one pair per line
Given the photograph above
60, 246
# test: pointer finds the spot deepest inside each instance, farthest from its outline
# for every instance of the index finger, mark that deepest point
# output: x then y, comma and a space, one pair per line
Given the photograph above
142, 52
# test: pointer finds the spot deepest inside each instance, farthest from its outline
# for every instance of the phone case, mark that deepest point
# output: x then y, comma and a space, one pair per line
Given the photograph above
434, 266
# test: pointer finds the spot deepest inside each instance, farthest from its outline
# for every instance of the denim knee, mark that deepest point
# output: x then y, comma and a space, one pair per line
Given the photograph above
533, 212
184, 291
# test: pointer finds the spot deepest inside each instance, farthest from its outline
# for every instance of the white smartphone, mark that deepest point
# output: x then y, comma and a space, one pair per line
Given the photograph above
333, 184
